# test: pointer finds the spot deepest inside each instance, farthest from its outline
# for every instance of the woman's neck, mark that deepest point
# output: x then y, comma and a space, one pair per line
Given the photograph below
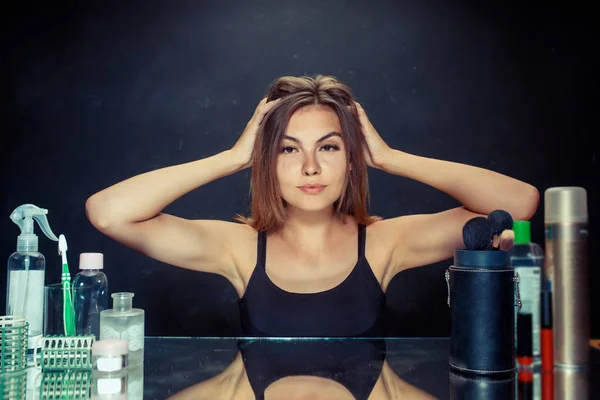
311, 230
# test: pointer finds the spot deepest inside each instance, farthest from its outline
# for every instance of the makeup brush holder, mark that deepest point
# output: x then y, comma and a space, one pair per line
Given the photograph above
470, 387
482, 294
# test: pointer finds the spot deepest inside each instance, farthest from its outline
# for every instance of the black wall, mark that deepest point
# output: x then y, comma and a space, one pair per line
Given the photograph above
96, 92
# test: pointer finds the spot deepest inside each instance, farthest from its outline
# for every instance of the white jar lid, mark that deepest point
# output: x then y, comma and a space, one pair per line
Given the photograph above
110, 347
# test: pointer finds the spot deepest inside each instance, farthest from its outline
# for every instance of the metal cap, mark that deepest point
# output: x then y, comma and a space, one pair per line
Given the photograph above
565, 204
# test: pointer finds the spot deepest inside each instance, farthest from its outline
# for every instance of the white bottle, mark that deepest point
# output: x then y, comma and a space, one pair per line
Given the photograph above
26, 274
125, 323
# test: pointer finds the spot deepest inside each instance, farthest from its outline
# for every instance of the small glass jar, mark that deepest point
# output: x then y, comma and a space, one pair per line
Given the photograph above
110, 355
109, 384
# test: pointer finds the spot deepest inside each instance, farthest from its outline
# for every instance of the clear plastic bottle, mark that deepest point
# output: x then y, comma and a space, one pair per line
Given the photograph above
125, 323
91, 275
26, 269
527, 258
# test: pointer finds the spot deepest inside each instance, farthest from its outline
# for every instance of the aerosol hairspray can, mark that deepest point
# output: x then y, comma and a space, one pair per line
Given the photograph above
566, 273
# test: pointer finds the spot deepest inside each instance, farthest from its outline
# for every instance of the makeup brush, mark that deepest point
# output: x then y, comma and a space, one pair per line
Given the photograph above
502, 233
501, 221
477, 233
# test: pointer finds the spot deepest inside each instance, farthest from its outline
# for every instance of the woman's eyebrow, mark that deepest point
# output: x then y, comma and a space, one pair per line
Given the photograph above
330, 134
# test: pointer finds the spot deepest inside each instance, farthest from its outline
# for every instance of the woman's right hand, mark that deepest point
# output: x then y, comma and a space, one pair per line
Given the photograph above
242, 150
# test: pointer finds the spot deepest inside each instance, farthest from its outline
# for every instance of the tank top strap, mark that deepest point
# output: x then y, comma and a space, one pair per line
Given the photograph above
362, 238
261, 249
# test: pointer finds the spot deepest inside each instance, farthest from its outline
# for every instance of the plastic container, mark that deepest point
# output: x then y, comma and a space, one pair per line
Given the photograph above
109, 361
26, 274
110, 355
88, 321
65, 384
13, 344
125, 323
527, 259
14, 385
61, 353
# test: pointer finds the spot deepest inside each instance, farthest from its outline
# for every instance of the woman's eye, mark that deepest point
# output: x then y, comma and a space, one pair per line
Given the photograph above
330, 147
287, 150
327, 148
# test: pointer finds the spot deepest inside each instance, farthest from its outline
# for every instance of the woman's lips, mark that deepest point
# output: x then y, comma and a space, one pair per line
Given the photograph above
311, 189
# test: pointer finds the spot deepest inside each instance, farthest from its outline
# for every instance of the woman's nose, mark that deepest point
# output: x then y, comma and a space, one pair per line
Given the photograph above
311, 166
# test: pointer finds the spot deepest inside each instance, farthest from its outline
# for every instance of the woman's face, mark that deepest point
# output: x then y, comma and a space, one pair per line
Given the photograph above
312, 153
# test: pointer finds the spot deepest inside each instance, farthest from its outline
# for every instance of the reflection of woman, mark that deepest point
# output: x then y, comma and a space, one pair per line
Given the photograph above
300, 369
309, 261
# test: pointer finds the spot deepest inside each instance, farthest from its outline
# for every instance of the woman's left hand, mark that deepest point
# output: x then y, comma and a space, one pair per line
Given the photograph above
377, 149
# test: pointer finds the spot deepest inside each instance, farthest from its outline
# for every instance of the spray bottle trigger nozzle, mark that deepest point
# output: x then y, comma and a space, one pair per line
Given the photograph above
24, 215
45, 226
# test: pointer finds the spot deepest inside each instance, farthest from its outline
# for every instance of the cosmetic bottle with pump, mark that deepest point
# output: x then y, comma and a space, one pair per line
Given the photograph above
527, 259
26, 274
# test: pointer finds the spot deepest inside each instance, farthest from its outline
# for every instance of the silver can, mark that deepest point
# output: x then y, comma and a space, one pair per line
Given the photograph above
567, 273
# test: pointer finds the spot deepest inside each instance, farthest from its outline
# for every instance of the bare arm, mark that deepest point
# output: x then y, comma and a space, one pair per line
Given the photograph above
479, 190
144, 196
130, 212
429, 238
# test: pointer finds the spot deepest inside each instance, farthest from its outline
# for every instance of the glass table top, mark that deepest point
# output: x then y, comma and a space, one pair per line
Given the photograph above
306, 368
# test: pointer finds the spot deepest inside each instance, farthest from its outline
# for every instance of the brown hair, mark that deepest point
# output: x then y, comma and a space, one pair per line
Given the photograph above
268, 211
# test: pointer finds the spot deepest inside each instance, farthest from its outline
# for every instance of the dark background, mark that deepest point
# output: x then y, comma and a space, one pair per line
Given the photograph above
96, 92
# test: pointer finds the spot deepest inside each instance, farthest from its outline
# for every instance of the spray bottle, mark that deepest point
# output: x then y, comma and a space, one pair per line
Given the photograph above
26, 270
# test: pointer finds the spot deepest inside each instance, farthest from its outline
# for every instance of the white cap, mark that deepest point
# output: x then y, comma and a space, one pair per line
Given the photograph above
91, 261
565, 204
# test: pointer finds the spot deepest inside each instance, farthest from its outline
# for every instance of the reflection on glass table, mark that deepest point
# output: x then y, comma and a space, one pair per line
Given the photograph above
306, 369
301, 368
391, 368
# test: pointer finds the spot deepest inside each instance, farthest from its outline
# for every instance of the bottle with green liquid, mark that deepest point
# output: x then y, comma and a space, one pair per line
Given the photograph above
527, 259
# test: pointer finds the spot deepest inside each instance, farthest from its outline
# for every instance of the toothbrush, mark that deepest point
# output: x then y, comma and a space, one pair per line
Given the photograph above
65, 280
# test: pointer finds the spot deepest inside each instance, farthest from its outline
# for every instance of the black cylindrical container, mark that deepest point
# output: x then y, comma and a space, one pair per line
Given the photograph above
481, 296
469, 387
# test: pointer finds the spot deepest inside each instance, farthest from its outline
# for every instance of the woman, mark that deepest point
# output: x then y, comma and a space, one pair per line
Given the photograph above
309, 261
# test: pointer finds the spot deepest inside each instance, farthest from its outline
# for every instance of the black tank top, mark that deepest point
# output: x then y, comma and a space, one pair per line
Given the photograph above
353, 308
354, 363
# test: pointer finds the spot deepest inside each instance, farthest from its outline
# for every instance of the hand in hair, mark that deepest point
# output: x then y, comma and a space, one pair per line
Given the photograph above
242, 149
377, 150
